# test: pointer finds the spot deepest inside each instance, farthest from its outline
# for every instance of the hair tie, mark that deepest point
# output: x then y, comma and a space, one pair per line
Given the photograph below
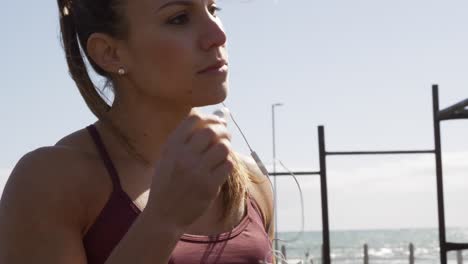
65, 11
67, 8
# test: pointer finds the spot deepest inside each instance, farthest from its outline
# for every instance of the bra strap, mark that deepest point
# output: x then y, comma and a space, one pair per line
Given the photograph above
104, 156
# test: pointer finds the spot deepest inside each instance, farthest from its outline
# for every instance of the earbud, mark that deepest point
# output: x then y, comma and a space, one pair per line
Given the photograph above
222, 113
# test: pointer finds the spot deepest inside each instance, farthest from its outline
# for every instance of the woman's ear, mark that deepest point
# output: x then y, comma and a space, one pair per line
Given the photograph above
103, 50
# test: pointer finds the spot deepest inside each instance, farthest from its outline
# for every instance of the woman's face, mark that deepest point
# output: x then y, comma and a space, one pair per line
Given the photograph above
169, 42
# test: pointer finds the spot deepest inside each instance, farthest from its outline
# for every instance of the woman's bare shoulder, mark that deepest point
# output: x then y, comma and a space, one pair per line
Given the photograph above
54, 165
43, 208
63, 164
54, 179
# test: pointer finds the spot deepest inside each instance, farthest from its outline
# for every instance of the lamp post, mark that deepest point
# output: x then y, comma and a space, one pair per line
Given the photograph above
274, 172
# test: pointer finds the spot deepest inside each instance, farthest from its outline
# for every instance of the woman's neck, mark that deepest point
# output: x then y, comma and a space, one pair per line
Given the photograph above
139, 131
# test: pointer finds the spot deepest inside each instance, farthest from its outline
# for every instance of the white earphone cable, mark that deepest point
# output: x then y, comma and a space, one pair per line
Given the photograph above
263, 169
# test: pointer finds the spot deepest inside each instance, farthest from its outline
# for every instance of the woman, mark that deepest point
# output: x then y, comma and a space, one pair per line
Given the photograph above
153, 180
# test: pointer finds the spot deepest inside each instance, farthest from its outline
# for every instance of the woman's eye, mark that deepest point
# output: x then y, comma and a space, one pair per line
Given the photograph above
179, 20
183, 19
215, 9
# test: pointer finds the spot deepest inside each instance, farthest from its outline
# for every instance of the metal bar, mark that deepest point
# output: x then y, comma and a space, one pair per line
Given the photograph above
457, 106
324, 194
304, 173
458, 115
274, 179
366, 254
453, 112
336, 153
440, 186
411, 255
456, 246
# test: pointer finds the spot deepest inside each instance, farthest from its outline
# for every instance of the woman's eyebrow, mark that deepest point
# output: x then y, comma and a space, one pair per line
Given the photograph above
178, 2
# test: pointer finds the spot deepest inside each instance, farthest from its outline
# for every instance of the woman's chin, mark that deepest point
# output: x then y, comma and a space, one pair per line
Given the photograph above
211, 98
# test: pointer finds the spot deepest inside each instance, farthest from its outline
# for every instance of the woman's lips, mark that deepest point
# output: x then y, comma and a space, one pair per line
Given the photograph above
214, 70
220, 66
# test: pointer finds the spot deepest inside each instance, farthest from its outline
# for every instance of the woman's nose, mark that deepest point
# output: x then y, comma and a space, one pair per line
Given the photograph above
213, 34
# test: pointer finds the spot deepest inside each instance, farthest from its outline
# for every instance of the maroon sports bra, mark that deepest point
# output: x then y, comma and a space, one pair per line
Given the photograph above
248, 242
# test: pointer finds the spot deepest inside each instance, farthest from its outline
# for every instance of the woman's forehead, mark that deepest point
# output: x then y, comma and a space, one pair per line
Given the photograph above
163, 3
154, 6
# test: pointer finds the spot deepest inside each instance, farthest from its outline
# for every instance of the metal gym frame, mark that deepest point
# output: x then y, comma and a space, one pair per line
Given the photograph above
456, 111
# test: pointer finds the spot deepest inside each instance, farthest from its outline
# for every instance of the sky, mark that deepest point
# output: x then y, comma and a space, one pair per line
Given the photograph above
363, 69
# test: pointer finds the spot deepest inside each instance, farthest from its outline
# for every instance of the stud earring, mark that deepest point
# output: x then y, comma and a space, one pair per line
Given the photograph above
122, 71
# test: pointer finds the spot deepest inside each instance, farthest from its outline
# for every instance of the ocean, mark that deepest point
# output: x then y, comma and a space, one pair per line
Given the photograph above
384, 246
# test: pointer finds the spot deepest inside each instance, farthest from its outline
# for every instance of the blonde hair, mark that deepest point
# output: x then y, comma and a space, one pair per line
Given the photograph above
78, 20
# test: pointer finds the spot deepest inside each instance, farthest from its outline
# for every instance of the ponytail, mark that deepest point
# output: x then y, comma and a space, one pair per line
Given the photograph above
76, 65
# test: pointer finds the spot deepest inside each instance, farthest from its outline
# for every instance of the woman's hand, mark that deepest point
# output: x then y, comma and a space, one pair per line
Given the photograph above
193, 166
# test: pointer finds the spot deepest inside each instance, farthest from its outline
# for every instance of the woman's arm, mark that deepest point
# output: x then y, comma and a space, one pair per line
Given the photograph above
39, 221
42, 219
